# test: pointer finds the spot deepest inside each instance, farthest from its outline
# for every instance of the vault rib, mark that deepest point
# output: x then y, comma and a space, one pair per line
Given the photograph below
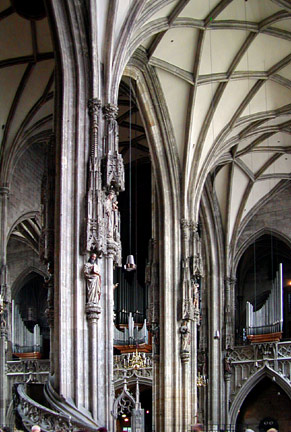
218, 95
278, 16
34, 40
162, 25
216, 11
266, 165
6, 12
189, 116
13, 108
25, 59
175, 12
256, 142
39, 103
286, 4
244, 168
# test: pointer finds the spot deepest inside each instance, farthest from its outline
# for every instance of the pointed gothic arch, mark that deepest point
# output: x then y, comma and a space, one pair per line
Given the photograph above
254, 237
251, 383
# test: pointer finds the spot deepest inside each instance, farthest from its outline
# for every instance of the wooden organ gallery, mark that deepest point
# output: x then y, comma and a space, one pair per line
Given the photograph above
145, 197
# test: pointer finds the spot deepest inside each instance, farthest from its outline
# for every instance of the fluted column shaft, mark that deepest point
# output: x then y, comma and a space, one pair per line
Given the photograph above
4, 195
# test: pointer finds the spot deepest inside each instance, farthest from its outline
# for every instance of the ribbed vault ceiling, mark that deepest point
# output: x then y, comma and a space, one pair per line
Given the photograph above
26, 81
224, 68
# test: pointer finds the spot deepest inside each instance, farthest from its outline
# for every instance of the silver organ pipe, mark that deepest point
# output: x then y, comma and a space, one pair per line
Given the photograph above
131, 334
269, 318
24, 341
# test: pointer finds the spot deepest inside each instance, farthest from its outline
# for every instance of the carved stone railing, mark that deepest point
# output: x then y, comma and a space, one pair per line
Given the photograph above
247, 360
122, 369
33, 413
22, 370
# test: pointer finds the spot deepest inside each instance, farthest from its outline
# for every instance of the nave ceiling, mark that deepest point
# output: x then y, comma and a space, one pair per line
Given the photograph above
224, 69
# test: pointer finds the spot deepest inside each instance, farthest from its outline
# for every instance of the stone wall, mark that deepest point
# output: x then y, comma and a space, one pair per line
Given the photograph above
275, 215
21, 257
25, 187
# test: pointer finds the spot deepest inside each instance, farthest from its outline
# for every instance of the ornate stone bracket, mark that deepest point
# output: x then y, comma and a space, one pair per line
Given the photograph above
93, 311
106, 180
113, 169
95, 234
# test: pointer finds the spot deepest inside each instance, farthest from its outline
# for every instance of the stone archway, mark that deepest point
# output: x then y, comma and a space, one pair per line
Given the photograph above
257, 381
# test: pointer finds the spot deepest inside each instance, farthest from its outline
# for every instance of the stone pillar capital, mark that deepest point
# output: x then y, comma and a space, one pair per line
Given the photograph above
93, 311
230, 280
4, 189
112, 248
110, 111
94, 105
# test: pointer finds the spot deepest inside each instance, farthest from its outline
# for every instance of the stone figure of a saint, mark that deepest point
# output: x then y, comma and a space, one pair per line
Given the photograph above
185, 336
93, 277
196, 296
111, 212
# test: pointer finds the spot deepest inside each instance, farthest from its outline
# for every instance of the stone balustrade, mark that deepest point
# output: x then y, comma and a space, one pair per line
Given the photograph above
247, 360
33, 413
124, 367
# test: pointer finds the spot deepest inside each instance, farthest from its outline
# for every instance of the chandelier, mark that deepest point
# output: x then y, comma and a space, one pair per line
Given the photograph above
201, 380
136, 361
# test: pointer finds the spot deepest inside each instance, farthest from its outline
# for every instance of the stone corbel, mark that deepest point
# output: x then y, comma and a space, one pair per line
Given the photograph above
93, 312
114, 251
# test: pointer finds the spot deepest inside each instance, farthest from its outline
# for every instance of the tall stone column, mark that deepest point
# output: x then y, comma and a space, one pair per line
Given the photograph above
4, 195
106, 180
3, 379
186, 338
227, 377
108, 332
93, 311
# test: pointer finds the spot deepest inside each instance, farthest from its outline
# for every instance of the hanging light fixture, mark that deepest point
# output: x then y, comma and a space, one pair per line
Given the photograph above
130, 264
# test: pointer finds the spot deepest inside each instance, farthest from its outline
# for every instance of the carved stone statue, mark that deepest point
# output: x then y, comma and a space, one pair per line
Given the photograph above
196, 295
111, 212
185, 337
227, 365
93, 277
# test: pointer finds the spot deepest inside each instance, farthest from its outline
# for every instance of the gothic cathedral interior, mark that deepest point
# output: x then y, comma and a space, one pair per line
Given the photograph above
145, 215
